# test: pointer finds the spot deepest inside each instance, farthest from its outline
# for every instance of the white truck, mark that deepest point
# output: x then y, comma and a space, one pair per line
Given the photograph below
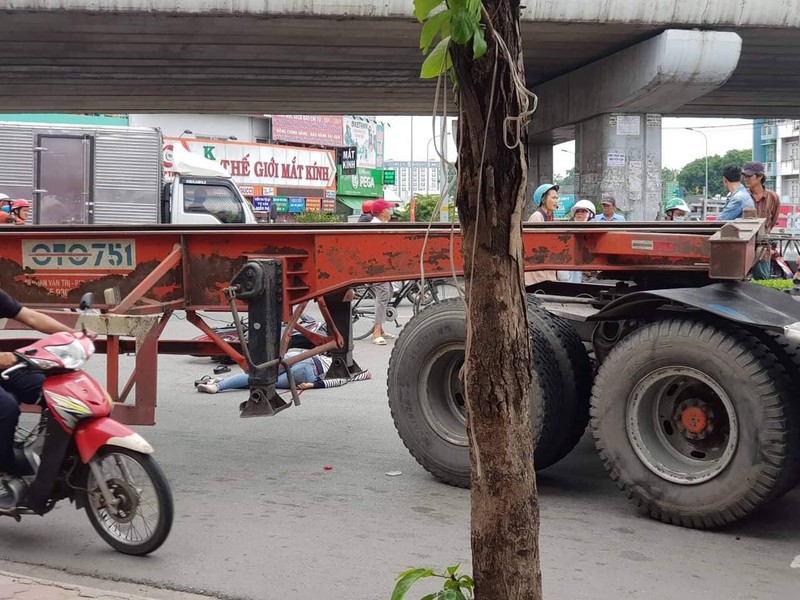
78, 174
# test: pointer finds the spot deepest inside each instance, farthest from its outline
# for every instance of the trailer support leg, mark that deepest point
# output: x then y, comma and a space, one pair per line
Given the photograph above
259, 283
343, 364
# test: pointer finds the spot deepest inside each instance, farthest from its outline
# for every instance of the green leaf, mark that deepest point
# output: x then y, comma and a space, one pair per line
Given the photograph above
474, 8
462, 26
406, 579
429, 597
422, 8
450, 595
466, 581
438, 60
431, 28
452, 570
479, 45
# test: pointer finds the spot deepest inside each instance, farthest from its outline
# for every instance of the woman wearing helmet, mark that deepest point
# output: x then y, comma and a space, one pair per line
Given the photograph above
20, 209
676, 209
582, 211
5, 209
545, 198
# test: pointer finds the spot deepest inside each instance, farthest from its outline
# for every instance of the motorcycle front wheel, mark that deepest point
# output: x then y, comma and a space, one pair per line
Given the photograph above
142, 516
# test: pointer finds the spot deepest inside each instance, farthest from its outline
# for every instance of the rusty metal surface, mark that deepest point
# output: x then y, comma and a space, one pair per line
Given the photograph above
160, 269
53, 267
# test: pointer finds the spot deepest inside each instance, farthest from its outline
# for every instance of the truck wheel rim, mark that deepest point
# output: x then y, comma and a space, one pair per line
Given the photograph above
444, 404
682, 425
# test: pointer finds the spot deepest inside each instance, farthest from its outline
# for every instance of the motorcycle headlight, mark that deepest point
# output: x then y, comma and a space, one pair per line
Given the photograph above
72, 355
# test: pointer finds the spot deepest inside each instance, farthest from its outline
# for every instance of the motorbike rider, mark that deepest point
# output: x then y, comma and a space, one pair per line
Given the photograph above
5, 209
20, 209
676, 209
21, 386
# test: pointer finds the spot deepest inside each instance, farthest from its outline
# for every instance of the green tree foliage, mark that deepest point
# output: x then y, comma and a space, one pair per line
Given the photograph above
692, 176
426, 208
564, 180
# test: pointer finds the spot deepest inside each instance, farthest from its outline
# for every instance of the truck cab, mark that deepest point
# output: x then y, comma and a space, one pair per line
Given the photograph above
203, 193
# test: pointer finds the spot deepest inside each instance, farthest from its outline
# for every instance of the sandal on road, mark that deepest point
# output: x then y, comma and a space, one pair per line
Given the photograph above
389, 336
379, 341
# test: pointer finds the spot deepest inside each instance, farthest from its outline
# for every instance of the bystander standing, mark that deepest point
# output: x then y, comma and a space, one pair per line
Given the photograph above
738, 198
768, 206
609, 210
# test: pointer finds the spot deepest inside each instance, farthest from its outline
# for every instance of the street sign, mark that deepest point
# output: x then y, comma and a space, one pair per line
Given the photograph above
389, 177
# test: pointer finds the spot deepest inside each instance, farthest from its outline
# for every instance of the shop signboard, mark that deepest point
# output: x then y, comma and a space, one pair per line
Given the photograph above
565, 203
297, 204
281, 204
262, 203
313, 204
389, 177
267, 165
347, 159
319, 130
380, 145
329, 205
362, 132
366, 182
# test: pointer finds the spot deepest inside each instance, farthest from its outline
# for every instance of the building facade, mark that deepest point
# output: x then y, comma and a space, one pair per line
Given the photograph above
776, 143
414, 179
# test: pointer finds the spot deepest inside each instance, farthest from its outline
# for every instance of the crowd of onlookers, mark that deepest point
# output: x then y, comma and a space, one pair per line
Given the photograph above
747, 197
13, 212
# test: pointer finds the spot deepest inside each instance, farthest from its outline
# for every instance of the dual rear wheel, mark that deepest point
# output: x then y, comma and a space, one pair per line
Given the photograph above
696, 421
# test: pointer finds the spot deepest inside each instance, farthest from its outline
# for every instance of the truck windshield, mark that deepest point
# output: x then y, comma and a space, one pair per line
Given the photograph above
217, 200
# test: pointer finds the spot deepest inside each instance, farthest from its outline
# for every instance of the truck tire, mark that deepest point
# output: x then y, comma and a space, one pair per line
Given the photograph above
688, 419
788, 355
576, 375
426, 401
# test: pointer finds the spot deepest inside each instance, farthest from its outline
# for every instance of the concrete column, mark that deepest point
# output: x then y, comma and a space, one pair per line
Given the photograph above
619, 155
540, 170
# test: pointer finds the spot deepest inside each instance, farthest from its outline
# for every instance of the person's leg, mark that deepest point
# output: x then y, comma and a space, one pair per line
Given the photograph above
383, 295
762, 270
234, 382
302, 372
9, 417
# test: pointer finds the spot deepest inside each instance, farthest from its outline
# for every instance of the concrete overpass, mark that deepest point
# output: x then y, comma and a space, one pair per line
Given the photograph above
605, 70
262, 56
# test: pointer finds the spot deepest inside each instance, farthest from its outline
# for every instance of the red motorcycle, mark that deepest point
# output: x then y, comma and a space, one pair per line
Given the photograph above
79, 453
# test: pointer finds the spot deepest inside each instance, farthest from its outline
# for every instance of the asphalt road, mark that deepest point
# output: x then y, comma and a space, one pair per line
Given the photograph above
259, 517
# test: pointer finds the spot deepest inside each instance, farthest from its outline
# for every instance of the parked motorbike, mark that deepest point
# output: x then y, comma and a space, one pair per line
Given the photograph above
78, 452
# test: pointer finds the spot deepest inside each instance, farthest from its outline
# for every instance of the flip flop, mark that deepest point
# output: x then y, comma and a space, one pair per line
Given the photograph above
389, 336
207, 379
379, 341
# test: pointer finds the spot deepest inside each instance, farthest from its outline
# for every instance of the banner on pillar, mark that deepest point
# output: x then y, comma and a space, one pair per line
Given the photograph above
629, 125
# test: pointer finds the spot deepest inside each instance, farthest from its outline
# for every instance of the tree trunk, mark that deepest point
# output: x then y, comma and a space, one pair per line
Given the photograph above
497, 375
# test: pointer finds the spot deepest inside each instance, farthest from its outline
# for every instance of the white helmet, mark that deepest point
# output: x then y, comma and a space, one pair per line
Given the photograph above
4, 197
585, 205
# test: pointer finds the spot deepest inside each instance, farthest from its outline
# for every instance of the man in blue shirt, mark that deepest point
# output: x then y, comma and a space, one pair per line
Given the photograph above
609, 210
738, 197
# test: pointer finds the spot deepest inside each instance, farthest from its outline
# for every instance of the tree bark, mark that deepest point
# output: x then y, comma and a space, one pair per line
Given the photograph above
497, 374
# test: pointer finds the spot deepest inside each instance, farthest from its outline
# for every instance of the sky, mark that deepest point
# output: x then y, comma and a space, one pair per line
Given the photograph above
679, 145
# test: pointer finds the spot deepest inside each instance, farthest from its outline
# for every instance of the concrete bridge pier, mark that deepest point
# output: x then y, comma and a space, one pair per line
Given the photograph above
619, 155
615, 104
